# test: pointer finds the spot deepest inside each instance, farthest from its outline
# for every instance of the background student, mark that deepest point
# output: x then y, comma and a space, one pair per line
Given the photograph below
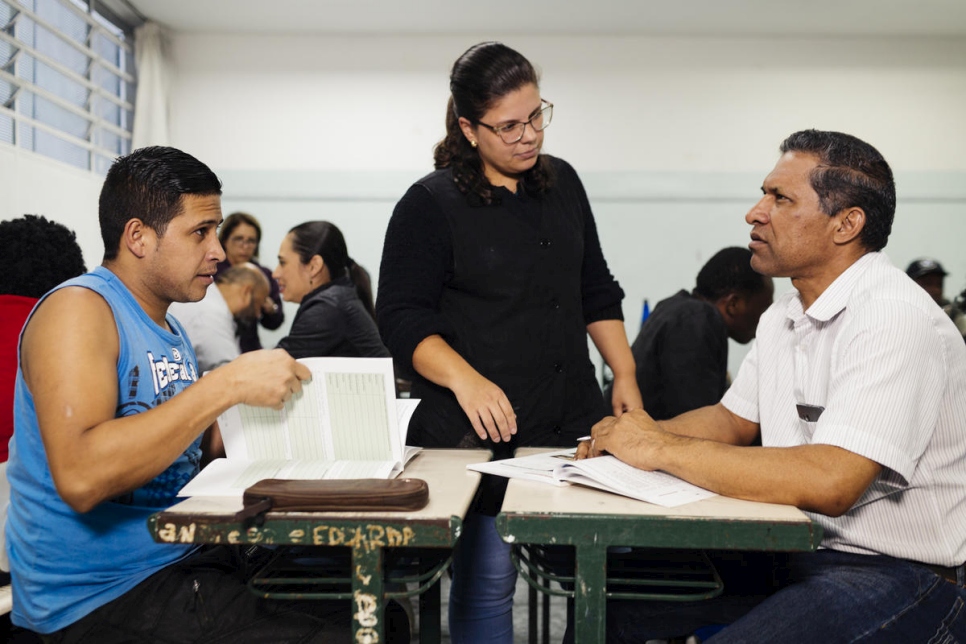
681, 351
315, 270
241, 236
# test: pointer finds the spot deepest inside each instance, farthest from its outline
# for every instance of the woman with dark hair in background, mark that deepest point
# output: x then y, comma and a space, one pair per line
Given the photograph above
492, 276
315, 271
240, 235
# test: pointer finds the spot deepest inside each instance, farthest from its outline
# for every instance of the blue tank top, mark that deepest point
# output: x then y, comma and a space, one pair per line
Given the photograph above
65, 564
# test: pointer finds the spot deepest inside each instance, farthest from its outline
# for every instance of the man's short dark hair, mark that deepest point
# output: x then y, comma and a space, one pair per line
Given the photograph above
36, 255
850, 173
728, 271
149, 184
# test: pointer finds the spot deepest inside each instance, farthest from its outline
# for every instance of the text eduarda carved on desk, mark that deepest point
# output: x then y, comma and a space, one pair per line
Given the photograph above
367, 537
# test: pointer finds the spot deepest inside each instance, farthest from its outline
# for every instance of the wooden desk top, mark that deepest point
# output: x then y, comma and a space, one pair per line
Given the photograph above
530, 497
451, 490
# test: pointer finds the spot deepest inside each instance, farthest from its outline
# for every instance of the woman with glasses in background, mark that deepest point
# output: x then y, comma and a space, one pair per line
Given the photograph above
240, 235
492, 276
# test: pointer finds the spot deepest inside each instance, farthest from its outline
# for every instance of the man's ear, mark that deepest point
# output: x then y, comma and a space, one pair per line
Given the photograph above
851, 222
728, 306
137, 237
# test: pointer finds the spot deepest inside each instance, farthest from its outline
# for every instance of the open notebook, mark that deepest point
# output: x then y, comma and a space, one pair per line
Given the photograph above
345, 423
604, 473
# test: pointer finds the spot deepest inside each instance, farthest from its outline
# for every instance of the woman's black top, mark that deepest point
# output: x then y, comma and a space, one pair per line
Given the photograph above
511, 287
332, 321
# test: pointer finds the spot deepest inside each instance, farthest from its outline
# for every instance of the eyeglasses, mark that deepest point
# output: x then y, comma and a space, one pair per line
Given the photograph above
243, 241
513, 132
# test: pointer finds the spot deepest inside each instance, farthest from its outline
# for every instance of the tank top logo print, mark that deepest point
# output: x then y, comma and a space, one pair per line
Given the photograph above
165, 372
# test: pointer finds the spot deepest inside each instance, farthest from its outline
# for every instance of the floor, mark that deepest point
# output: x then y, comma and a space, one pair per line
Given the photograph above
557, 624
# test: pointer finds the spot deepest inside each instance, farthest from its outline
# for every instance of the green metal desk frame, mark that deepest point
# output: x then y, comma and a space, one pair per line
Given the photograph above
368, 538
592, 534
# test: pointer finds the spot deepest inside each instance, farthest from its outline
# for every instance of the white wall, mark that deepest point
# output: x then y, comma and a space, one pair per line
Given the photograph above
33, 184
672, 136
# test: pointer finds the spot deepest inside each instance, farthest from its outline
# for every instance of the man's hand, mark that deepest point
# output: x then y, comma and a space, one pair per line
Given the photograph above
634, 438
268, 306
266, 378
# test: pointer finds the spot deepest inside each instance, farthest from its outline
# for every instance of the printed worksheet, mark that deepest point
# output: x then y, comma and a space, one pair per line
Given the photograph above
604, 473
345, 423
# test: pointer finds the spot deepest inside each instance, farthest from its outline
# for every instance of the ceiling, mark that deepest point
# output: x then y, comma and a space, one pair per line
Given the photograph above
559, 17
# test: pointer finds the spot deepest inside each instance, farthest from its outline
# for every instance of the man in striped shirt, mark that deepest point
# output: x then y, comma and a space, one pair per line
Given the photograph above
857, 389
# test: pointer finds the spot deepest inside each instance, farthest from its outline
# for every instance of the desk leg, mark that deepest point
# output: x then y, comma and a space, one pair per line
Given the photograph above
430, 631
368, 600
590, 599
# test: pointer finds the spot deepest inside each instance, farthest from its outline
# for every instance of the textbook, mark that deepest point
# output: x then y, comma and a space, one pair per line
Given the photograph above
603, 472
346, 423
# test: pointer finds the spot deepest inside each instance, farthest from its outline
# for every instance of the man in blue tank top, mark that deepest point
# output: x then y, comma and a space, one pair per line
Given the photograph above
112, 420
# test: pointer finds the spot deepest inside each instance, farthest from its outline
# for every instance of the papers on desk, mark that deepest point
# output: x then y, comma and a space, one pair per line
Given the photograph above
345, 423
604, 473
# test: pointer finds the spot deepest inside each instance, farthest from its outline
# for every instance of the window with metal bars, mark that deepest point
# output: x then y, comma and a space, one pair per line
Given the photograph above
67, 81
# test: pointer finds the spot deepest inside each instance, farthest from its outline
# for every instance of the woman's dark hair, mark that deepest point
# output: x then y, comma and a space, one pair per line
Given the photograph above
36, 255
484, 74
325, 240
233, 221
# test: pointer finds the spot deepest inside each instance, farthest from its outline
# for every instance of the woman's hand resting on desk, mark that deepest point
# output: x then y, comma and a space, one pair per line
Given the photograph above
487, 407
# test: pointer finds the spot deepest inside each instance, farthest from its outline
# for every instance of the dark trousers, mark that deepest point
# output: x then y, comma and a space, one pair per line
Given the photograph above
204, 598
825, 597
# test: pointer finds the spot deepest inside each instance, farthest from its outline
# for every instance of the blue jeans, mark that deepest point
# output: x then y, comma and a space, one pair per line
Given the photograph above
824, 597
481, 594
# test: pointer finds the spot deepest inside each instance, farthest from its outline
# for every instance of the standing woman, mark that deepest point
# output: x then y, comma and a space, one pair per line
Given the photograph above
492, 275
315, 271
240, 236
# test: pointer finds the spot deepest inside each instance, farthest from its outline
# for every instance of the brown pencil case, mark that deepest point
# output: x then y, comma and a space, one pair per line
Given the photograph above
340, 495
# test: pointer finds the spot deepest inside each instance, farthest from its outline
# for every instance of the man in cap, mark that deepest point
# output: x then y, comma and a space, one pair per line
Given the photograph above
929, 274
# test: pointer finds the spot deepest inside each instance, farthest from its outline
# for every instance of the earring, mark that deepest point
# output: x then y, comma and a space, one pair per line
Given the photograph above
473, 143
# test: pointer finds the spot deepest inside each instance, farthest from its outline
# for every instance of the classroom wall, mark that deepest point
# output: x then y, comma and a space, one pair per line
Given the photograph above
671, 136
33, 184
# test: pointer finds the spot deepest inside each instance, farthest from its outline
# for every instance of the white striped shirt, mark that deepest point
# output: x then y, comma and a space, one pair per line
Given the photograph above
889, 367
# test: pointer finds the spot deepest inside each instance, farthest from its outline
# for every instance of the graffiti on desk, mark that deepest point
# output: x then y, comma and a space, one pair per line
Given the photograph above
172, 533
369, 537
252, 535
367, 618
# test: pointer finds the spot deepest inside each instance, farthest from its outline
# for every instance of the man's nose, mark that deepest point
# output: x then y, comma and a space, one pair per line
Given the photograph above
758, 212
217, 251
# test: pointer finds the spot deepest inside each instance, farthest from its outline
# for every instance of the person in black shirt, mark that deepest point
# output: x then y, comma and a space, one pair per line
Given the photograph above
681, 352
315, 270
492, 276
